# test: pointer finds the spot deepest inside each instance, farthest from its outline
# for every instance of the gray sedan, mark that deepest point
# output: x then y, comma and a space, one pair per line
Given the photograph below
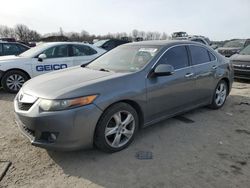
106, 102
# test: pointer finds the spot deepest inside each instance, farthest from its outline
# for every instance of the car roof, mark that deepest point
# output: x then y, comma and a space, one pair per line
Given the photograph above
161, 43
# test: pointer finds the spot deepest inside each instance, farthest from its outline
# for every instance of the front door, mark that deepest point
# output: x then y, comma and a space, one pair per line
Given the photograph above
167, 95
57, 58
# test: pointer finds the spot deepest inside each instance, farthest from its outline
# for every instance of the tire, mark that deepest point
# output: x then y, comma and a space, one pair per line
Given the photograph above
112, 132
12, 81
220, 95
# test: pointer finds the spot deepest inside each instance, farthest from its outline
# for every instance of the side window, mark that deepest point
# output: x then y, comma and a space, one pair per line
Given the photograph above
199, 55
176, 56
22, 48
10, 49
212, 57
57, 51
109, 45
82, 50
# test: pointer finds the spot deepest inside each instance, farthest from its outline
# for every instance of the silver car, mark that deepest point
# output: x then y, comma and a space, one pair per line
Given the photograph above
106, 102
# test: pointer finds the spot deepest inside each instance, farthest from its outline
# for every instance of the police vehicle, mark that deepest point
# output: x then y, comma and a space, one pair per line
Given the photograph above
47, 57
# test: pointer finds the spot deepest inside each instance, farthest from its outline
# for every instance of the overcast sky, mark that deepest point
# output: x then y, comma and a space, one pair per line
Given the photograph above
217, 19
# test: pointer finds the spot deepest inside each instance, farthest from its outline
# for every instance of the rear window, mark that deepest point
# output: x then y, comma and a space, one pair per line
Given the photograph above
199, 55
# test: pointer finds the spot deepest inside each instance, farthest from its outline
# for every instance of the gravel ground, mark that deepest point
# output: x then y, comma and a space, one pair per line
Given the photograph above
213, 151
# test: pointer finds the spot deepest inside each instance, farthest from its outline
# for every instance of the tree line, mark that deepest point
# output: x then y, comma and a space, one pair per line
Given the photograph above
23, 33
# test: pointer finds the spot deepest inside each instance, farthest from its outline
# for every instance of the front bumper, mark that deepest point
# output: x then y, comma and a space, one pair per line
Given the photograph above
74, 129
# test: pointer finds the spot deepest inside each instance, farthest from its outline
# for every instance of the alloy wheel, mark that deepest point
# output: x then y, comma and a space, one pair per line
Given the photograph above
120, 129
221, 93
15, 82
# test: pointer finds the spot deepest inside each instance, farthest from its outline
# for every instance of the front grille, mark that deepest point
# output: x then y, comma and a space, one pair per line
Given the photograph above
24, 106
241, 65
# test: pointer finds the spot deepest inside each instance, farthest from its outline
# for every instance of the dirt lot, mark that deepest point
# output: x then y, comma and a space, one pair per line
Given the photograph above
213, 151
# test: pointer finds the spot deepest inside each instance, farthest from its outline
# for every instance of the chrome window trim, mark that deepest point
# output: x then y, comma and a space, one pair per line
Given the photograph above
216, 59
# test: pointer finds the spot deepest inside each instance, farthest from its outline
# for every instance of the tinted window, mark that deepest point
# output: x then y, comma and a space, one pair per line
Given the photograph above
57, 52
82, 50
109, 45
22, 48
199, 55
177, 57
10, 49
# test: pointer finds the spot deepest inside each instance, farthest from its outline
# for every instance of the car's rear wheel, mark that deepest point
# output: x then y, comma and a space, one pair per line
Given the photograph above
12, 81
220, 95
116, 128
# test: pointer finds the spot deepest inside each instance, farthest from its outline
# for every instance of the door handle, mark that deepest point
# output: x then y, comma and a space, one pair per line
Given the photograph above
214, 66
188, 75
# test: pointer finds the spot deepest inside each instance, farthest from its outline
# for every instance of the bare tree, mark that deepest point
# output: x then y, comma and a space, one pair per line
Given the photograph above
6, 32
22, 32
135, 33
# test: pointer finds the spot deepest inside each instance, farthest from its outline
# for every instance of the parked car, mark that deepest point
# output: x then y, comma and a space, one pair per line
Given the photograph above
200, 39
232, 47
106, 102
180, 34
109, 44
12, 48
241, 64
47, 57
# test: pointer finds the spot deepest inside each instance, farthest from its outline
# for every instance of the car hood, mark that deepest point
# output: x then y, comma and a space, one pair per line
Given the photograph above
11, 58
67, 83
240, 57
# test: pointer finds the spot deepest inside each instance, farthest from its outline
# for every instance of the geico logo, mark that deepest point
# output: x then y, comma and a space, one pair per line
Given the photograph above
40, 68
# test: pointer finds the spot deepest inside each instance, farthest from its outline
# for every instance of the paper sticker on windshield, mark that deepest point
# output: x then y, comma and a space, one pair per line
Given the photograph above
150, 50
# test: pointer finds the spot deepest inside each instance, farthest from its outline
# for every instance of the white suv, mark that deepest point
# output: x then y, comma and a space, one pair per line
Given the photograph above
47, 57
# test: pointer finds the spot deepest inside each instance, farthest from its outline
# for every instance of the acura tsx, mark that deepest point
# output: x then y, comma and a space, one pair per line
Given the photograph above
106, 102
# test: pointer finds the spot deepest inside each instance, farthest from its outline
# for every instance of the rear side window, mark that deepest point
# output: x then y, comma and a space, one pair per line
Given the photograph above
10, 49
176, 56
82, 50
22, 48
199, 55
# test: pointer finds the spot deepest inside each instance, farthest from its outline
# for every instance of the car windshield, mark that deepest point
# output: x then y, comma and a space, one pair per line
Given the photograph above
125, 59
235, 44
32, 52
245, 51
100, 43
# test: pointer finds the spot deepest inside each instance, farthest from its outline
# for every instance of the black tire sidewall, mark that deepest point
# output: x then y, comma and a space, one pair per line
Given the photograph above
99, 138
7, 75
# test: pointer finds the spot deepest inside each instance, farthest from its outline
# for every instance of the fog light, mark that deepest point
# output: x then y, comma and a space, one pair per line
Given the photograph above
52, 137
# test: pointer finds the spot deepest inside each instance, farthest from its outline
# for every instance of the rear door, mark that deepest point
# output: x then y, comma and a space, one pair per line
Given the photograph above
168, 95
82, 54
57, 58
205, 65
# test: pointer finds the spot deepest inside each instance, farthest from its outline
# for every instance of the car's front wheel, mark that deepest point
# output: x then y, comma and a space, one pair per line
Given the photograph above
220, 95
12, 81
116, 128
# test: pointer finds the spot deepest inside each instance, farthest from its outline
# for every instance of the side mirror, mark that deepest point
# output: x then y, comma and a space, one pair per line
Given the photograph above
163, 70
41, 57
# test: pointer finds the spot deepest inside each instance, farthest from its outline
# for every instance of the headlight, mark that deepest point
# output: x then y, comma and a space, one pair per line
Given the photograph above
64, 104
